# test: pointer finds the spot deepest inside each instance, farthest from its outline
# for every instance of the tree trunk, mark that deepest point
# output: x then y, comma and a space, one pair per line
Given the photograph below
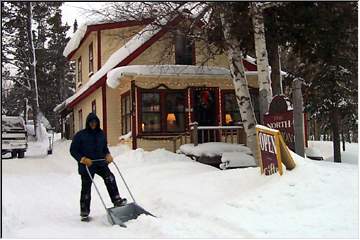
32, 65
336, 135
316, 130
265, 91
237, 71
275, 63
298, 118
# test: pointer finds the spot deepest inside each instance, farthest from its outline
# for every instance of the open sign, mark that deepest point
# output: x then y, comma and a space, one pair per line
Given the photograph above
273, 151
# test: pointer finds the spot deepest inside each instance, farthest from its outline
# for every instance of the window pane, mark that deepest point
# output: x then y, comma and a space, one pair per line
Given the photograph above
175, 122
128, 104
123, 127
123, 106
151, 102
175, 102
128, 123
175, 112
151, 122
230, 102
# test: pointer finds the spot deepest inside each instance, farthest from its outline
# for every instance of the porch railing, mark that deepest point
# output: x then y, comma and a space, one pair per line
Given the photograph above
200, 134
233, 134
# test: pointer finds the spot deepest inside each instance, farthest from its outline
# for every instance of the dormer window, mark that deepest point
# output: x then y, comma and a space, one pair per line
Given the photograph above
91, 59
79, 70
184, 50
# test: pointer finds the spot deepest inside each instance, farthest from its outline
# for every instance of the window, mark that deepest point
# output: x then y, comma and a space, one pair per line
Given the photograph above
79, 70
231, 109
125, 113
80, 120
91, 59
184, 50
162, 111
151, 114
93, 106
231, 113
175, 112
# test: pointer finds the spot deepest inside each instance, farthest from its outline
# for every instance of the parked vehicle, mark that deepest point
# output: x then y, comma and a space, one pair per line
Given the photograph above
13, 136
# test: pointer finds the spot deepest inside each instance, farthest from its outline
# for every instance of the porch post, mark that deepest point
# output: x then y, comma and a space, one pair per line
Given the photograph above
194, 133
133, 115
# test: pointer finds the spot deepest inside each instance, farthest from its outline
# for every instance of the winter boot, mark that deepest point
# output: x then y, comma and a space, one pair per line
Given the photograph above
120, 202
84, 216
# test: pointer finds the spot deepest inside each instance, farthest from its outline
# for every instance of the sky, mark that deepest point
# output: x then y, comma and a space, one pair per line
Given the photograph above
78, 11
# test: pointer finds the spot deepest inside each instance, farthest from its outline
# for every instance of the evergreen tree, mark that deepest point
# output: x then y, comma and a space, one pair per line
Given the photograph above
53, 72
322, 39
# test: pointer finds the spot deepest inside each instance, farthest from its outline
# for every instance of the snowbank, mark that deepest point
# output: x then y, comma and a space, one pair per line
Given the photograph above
191, 200
212, 149
236, 159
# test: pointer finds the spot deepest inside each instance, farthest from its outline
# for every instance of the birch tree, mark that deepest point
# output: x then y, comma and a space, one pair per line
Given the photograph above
242, 93
32, 65
265, 91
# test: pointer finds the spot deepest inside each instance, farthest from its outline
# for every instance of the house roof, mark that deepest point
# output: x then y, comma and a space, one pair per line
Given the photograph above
84, 31
122, 57
114, 76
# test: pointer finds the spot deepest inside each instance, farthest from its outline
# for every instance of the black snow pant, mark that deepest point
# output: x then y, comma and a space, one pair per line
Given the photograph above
110, 182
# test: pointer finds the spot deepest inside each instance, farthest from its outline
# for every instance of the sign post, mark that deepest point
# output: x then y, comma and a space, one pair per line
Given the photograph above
273, 151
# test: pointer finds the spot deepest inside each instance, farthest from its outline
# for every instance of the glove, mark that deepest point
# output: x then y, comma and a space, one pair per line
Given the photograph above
86, 161
108, 158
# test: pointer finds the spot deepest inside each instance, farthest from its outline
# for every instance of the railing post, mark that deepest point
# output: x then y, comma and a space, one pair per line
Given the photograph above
238, 132
194, 133
174, 143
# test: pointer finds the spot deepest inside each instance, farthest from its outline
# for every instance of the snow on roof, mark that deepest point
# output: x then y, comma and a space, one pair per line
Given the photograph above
79, 34
75, 40
118, 56
114, 76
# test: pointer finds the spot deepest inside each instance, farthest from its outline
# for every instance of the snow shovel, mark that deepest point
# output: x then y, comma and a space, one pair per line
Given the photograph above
122, 214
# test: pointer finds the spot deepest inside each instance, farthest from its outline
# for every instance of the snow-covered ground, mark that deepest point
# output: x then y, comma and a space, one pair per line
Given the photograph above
351, 154
318, 199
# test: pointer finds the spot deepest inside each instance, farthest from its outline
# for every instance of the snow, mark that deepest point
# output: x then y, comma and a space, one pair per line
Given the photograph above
114, 75
236, 159
211, 149
325, 149
30, 130
118, 56
126, 136
192, 200
12, 122
79, 34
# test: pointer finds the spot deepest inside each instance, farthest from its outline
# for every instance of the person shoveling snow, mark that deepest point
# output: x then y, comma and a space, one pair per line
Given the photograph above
90, 144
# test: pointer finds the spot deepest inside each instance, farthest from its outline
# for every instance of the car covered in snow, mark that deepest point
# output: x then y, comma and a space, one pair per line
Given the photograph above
13, 136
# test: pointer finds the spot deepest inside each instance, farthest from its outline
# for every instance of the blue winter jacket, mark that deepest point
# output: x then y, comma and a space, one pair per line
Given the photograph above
91, 144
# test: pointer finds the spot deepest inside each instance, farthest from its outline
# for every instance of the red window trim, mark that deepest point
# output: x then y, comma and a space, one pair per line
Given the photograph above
91, 59
162, 93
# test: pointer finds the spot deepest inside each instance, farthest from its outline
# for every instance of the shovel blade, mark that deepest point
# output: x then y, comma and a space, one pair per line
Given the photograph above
122, 214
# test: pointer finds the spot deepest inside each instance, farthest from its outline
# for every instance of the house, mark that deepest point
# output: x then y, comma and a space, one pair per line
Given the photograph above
138, 89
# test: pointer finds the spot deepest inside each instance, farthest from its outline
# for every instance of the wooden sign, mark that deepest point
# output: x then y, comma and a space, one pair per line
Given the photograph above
273, 151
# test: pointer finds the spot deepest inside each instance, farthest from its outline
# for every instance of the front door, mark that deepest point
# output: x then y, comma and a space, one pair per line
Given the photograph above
205, 111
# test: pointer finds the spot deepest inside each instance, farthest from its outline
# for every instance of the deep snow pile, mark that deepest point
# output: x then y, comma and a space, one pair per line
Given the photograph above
41, 198
212, 148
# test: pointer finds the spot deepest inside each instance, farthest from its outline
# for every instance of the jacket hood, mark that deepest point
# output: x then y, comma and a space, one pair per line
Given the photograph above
92, 116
